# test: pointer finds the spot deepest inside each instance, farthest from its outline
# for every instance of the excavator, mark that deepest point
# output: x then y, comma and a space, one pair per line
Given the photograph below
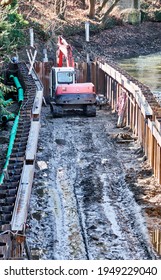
66, 94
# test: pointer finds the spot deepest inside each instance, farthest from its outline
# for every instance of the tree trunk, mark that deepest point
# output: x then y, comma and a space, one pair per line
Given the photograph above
136, 4
104, 2
109, 11
83, 4
60, 8
92, 4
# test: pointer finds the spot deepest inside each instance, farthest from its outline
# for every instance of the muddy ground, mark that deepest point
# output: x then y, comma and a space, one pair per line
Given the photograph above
101, 198
94, 195
90, 195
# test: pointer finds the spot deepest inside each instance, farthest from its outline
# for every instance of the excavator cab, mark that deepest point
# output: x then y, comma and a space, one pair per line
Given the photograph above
60, 76
65, 77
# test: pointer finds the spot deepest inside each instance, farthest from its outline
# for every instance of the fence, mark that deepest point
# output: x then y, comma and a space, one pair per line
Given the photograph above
143, 112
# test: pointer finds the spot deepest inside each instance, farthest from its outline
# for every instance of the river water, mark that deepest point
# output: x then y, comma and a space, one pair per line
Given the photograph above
146, 69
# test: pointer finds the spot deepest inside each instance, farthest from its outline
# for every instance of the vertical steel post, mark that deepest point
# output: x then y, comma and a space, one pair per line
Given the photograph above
88, 59
31, 37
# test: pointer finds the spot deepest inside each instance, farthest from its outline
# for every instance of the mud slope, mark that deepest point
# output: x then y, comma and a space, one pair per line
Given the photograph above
81, 206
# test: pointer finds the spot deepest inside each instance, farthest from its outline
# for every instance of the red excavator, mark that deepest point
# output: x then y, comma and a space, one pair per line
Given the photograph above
65, 93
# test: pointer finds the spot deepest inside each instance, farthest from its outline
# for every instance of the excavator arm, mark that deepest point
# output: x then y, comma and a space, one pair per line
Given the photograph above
64, 51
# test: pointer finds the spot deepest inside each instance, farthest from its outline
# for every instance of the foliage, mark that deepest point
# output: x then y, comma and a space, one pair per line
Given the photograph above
12, 28
144, 5
6, 89
14, 33
38, 29
151, 10
157, 15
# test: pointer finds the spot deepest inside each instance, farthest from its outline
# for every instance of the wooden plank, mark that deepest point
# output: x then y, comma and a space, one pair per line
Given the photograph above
152, 151
158, 124
5, 248
159, 164
130, 86
22, 200
139, 126
32, 142
36, 110
154, 131
155, 158
157, 135
148, 141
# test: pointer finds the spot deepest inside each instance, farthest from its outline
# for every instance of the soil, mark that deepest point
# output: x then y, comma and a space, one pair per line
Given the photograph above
90, 194
122, 41
87, 155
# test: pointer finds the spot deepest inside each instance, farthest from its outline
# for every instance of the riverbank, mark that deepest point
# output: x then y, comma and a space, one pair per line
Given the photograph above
121, 41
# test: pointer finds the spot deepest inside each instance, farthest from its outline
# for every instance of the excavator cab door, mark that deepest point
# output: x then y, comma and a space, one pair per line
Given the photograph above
53, 82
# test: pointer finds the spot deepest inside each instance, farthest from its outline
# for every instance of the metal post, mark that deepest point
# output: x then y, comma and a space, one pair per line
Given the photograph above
87, 30
45, 57
31, 37
88, 59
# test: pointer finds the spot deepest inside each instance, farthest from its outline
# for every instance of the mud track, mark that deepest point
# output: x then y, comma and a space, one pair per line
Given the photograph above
81, 205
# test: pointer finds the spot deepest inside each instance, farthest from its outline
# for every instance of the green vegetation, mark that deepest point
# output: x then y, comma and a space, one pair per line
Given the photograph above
12, 29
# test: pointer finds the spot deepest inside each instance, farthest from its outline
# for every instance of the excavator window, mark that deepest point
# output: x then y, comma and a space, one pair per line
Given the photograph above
65, 77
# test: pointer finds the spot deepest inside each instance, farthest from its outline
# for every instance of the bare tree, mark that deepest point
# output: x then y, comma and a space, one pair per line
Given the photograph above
104, 2
105, 16
92, 5
83, 2
60, 8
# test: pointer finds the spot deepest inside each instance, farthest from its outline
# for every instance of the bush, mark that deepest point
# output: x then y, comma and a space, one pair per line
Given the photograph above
12, 30
157, 15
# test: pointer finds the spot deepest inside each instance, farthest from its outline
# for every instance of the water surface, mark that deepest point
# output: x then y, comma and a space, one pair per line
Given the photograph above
146, 69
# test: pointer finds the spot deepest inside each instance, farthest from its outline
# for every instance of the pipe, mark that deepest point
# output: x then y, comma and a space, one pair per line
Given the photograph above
4, 114
19, 88
10, 146
6, 118
14, 128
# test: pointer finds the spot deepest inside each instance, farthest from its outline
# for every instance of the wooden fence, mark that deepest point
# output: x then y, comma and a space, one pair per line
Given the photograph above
143, 112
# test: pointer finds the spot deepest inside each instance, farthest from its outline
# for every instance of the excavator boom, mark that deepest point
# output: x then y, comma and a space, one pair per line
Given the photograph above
64, 51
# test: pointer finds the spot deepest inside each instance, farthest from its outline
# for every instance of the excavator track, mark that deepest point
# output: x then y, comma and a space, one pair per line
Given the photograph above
12, 241
59, 111
90, 110
56, 110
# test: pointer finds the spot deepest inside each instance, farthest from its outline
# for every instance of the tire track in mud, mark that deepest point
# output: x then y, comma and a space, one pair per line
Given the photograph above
87, 210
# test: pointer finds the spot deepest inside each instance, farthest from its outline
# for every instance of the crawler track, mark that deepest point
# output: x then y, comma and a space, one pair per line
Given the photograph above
12, 242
